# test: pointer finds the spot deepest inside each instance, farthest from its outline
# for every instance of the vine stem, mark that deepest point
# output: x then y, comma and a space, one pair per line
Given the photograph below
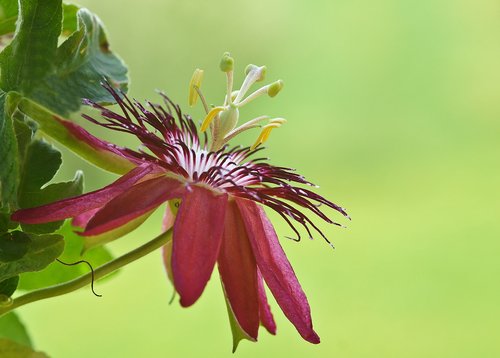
84, 280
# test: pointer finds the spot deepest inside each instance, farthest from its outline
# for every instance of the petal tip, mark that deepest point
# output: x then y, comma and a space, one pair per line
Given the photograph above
184, 302
313, 338
272, 329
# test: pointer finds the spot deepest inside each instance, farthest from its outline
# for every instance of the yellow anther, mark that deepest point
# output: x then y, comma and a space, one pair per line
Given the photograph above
195, 82
266, 130
210, 117
264, 134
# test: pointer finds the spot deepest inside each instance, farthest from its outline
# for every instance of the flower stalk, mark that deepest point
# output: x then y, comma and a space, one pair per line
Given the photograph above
85, 280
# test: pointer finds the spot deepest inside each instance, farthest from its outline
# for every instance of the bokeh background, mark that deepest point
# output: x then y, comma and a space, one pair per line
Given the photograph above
393, 108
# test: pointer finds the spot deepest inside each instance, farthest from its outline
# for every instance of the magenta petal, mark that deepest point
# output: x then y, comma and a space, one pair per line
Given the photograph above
196, 240
238, 272
266, 317
136, 201
80, 204
83, 219
276, 270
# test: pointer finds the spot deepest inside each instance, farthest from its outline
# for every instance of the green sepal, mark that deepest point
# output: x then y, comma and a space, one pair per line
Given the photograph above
98, 240
50, 124
238, 333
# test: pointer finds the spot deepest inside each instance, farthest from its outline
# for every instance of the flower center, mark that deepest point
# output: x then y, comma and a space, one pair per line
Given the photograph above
222, 120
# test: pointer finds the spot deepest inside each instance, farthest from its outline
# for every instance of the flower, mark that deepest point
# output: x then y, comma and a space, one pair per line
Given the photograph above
216, 196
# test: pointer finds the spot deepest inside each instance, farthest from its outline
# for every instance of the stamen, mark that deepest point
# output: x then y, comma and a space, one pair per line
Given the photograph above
278, 120
272, 90
248, 125
210, 117
195, 82
203, 100
264, 135
254, 95
275, 88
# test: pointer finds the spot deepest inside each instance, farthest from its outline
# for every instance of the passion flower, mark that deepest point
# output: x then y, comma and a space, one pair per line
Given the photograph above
217, 194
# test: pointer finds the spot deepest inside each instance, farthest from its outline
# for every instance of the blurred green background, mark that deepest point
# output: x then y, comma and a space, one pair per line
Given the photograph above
393, 108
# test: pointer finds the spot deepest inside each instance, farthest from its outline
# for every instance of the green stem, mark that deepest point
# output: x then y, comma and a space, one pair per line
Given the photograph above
84, 280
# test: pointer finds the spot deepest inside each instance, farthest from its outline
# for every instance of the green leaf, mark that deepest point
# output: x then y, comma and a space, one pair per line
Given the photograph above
42, 250
9, 286
13, 246
9, 170
32, 53
57, 191
13, 329
10, 349
40, 165
83, 61
8, 16
4, 222
70, 20
51, 125
57, 273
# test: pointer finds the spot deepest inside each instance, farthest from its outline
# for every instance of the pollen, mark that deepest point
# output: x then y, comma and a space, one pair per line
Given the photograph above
210, 117
194, 86
266, 131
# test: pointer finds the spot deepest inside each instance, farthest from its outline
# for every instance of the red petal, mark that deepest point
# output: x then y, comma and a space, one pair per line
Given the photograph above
197, 236
238, 272
80, 204
136, 201
83, 219
266, 317
276, 269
